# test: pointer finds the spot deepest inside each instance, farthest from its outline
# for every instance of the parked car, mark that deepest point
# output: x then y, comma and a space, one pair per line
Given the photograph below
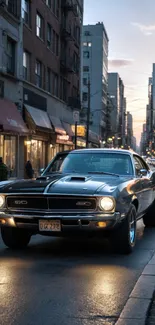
87, 191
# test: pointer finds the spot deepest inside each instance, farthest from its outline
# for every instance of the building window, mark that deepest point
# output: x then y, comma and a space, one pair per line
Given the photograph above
12, 7
86, 68
26, 65
76, 62
26, 12
85, 97
87, 33
55, 43
48, 2
49, 35
11, 56
63, 89
87, 44
55, 7
55, 85
39, 26
85, 81
49, 80
86, 54
38, 73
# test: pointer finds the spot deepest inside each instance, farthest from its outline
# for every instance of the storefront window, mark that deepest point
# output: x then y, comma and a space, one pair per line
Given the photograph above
36, 153
9, 155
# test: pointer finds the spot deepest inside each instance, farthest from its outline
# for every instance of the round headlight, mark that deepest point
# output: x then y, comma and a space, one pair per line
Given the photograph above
107, 204
2, 201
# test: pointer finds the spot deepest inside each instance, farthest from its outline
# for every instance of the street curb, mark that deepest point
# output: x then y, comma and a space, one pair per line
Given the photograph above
136, 308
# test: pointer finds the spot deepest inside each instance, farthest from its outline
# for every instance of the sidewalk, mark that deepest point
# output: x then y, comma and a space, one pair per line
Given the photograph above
140, 308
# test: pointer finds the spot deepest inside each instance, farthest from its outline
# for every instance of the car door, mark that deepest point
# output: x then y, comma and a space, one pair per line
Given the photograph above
146, 184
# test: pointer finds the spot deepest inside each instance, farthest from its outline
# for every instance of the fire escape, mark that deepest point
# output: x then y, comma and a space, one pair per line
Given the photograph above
67, 61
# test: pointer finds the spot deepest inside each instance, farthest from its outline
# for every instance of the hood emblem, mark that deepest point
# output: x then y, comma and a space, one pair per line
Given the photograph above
21, 202
83, 203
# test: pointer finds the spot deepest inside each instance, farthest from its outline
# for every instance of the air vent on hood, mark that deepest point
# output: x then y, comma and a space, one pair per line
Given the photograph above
78, 178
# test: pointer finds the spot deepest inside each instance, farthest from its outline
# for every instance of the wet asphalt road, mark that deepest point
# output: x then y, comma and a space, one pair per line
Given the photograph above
69, 282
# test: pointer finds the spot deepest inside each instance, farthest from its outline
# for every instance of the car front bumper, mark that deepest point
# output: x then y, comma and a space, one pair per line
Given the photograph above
69, 222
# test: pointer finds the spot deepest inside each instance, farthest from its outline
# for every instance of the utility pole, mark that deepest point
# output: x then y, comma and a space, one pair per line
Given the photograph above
88, 115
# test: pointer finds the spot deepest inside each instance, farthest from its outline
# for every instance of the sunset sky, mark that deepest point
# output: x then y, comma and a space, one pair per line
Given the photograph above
130, 25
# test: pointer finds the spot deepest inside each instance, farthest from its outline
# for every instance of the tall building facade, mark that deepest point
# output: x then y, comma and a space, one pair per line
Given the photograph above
95, 69
129, 129
118, 106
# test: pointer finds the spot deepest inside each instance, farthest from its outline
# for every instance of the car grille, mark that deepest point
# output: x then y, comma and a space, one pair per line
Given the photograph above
51, 203
27, 203
65, 203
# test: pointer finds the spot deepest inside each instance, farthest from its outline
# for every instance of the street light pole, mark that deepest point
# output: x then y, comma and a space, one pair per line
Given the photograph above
88, 115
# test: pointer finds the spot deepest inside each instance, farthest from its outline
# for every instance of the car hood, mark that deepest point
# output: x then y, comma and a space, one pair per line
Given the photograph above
67, 184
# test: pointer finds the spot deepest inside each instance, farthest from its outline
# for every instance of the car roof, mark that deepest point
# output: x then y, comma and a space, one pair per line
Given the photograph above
107, 150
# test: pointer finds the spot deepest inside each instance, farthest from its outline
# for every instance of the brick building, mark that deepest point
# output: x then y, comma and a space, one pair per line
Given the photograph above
40, 75
51, 69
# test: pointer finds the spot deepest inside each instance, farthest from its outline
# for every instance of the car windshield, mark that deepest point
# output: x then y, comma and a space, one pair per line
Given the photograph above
84, 163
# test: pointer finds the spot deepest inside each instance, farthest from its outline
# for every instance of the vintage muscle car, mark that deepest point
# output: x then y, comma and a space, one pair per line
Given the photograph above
88, 191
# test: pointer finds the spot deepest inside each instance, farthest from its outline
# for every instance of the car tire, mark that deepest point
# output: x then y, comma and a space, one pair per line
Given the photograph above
15, 238
124, 237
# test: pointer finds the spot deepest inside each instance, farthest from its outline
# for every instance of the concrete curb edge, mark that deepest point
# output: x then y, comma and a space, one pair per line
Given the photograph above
136, 308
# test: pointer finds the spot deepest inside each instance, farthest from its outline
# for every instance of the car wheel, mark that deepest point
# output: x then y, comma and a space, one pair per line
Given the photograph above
124, 238
15, 238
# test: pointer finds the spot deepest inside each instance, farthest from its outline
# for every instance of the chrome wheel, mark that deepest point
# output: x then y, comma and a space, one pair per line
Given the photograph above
132, 227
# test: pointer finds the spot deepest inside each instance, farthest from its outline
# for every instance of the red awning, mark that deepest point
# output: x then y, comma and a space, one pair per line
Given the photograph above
10, 118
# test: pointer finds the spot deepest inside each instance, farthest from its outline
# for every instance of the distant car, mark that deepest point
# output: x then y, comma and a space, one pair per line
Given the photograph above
88, 191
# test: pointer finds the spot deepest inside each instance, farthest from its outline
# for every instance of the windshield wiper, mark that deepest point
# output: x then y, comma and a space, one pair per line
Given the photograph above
104, 173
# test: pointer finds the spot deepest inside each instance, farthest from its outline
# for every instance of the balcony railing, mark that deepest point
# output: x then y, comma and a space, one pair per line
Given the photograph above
66, 32
69, 5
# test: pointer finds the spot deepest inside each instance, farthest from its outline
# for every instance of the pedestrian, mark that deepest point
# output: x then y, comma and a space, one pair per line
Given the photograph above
3, 171
29, 169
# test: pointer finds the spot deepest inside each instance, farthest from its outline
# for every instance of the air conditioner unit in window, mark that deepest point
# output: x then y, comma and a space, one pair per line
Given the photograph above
4, 3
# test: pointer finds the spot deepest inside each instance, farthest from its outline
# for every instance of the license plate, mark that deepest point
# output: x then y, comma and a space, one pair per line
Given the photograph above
49, 225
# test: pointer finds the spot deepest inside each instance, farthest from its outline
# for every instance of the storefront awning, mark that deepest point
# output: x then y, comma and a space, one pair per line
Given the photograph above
58, 127
40, 118
68, 129
11, 119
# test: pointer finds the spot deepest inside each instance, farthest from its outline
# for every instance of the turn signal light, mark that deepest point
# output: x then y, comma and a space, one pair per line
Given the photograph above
102, 224
2, 221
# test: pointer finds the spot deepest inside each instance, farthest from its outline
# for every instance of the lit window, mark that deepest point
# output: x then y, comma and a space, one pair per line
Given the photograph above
26, 65
39, 26
26, 12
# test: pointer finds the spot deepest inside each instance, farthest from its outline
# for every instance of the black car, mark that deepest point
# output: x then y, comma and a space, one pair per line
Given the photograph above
88, 191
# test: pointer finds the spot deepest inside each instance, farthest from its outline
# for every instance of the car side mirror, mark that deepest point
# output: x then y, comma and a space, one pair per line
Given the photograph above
42, 170
143, 172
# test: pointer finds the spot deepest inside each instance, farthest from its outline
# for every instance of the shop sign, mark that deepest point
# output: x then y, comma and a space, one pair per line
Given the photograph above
81, 130
81, 143
64, 139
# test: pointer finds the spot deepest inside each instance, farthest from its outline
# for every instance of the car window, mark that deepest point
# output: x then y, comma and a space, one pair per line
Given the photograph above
56, 164
139, 164
98, 162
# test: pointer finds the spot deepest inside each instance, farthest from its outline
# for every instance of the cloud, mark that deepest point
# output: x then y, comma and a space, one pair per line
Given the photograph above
120, 62
145, 29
